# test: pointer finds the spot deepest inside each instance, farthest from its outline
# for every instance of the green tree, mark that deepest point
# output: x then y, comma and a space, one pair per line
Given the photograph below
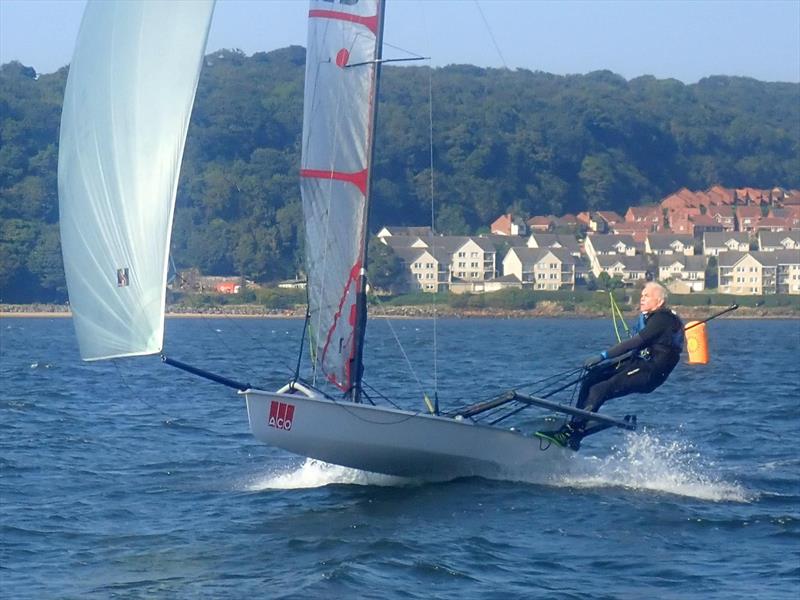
385, 270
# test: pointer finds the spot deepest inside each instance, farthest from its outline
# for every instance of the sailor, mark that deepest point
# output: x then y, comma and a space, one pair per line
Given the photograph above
656, 348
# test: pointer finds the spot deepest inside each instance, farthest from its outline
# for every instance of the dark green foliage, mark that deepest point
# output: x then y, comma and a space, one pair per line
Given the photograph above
529, 142
385, 270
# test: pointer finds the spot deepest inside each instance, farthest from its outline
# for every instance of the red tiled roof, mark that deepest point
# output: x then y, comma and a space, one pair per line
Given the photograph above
751, 212
704, 221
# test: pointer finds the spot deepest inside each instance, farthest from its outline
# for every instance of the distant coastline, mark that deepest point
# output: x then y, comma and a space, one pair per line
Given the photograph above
544, 309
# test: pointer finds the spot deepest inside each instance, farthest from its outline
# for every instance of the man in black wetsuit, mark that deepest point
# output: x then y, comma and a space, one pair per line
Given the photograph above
656, 347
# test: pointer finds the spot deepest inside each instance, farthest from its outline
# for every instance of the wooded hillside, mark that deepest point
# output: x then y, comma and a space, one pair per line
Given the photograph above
520, 141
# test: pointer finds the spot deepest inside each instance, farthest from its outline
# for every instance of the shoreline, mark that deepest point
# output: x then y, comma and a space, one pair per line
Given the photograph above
545, 310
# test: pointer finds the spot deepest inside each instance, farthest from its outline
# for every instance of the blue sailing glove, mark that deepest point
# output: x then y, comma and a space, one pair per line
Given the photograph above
593, 361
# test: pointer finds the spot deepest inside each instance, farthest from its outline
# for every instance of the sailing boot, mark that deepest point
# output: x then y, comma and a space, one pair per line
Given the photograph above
565, 437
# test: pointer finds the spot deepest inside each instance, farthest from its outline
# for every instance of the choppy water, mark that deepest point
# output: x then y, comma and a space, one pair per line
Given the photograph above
133, 480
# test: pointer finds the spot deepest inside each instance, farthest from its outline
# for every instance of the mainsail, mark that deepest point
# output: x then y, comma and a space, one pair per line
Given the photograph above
126, 112
339, 111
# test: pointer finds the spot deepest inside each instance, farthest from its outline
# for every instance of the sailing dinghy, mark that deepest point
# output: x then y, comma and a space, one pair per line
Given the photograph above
126, 111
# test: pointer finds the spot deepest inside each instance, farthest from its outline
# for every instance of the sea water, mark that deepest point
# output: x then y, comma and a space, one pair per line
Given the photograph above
130, 479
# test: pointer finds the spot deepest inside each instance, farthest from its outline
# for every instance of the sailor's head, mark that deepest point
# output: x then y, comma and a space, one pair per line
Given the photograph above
654, 296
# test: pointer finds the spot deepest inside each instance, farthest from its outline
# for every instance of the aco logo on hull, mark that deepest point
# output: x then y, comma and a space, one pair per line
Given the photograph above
281, 415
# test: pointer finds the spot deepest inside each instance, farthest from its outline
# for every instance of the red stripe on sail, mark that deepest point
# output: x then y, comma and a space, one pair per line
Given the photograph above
358, 179
353, 280
370, 23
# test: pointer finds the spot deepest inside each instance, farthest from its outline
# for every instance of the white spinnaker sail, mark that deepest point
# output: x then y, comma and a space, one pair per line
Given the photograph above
338, 118
126, 112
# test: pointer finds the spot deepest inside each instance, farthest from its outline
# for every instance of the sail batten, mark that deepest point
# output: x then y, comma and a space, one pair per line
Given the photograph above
126, 112
338, 117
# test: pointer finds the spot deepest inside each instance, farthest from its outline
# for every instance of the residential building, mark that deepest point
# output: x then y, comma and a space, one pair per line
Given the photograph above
653, 216
701, 224
690, 270
508, 224
669, 243
394, 231
748, 217
610, 217
720, 196
631, 269
426, 270
770, 241
638, 231
790, 213
787, 264
568, 221
752, 196
555, 240
542, 223
723, 215
541, 268
472, 258
758, 273
599, 245
715, 243
683, 198
680, 219
772, 224
790, 198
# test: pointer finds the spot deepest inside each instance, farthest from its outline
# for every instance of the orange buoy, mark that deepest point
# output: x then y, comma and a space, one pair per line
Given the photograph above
697, 343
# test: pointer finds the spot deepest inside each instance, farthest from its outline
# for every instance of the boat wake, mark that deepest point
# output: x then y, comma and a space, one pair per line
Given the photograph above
646, 462
314, 473
643, 462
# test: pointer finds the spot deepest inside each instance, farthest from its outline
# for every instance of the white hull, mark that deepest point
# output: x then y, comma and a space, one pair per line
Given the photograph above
392, 441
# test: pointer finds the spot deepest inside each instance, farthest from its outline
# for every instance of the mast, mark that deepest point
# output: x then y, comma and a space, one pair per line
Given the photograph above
357, 370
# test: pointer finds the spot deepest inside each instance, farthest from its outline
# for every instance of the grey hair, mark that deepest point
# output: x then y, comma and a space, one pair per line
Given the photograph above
660, 290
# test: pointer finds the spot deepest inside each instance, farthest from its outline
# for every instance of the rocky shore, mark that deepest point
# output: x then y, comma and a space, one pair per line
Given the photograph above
543, 309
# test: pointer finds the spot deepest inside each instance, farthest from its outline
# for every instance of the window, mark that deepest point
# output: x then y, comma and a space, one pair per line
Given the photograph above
474, 265
462, 264
473, 255
461, 254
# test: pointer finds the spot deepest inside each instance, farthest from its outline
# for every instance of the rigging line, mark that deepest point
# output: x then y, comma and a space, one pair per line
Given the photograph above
302, 340
381, 395
138, 396
491, 35
433, 242
411, 369
617, 315
401, 49
563, 375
